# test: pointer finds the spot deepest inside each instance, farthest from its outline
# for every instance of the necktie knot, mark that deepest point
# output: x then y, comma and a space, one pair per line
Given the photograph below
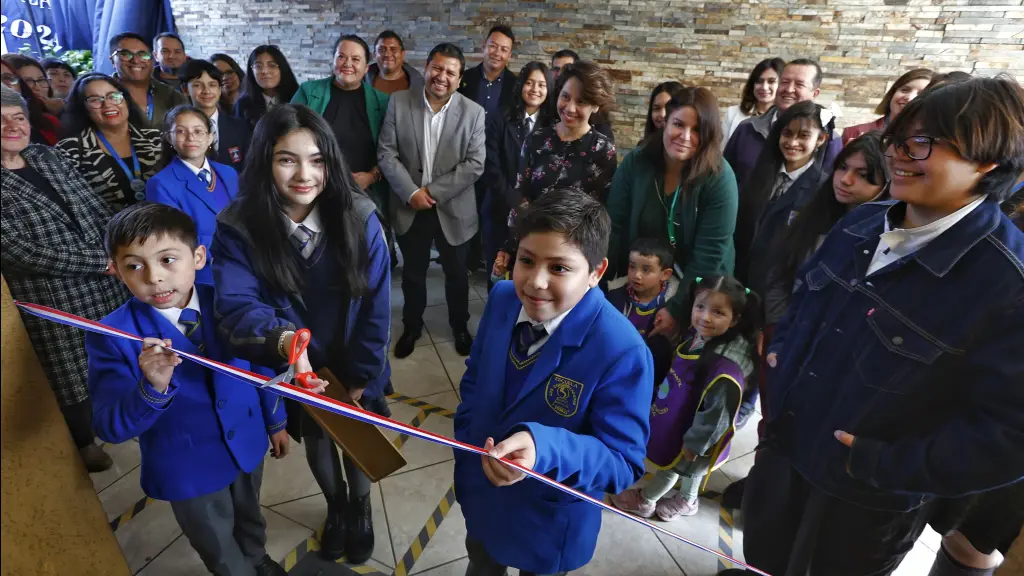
527, 334
302, 238
191, 320
205, 175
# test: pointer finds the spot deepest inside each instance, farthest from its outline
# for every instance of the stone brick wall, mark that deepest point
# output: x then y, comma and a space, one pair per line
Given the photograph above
862, 45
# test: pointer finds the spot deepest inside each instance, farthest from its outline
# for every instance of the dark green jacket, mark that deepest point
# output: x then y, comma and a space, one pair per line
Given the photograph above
706, 217
317, 94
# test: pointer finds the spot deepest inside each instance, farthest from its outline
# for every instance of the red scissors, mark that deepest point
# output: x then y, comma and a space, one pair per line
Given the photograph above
299, 343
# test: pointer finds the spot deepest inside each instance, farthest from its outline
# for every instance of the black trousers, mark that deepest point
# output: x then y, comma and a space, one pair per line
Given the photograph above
415, 245
791, 528
481, 563
79, 420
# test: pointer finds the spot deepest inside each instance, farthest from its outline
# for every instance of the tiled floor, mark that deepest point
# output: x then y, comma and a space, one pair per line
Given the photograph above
403, 502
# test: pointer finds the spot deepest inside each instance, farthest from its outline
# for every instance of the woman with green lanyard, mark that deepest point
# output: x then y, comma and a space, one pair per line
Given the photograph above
676, 187
106, 139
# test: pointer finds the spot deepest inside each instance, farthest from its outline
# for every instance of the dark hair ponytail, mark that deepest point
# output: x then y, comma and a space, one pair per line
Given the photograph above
745, 304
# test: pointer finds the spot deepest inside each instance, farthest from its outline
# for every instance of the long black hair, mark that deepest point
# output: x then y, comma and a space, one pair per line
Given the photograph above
167, 151
225, 100
546, 114
285, 89
745, 304
823, 211
748, 100
75, 118
761, 182
259, 206
673, 88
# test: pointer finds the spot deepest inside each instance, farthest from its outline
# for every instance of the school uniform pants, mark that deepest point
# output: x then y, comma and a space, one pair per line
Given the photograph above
78, 417
415, 245
227, 528
481, 563
791, 528
692, 473
324, 462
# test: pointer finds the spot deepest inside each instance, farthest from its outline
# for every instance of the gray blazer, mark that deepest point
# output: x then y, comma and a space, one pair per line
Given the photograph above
457, 165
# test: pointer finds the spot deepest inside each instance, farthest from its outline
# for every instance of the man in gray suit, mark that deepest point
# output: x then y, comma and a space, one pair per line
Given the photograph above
431, 150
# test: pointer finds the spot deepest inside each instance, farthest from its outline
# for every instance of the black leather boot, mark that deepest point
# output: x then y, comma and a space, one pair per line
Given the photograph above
359, 530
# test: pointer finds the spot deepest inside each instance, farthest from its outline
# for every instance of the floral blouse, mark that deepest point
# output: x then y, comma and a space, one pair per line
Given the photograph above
586, 164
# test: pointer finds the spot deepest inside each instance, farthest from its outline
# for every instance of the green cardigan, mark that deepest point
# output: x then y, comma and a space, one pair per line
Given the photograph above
317, 94
706, 215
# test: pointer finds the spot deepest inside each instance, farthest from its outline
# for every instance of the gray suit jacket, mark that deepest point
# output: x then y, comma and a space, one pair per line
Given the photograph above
458, 163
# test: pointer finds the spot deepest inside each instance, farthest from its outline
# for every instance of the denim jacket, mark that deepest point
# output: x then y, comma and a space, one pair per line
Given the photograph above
923, 362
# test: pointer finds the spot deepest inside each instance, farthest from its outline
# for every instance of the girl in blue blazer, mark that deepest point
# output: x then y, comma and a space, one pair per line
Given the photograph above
302, 247
190, 181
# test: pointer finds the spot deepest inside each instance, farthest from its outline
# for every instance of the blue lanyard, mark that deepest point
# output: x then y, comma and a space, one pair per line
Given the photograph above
135, 175
149, 105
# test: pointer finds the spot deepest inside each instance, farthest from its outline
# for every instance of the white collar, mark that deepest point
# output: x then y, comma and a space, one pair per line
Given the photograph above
550, 326
796, 174
426, 104
270, 100
532, 117
206, 166
216, 115
914, 238
312, 221
173, 314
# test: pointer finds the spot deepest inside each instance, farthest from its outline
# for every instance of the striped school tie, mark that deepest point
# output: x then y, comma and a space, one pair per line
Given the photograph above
302, 238
205, 175
190, 319
526, 335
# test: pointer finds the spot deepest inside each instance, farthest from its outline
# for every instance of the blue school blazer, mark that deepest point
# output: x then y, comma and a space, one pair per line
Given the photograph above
233, 135
177, 186
202, 432
586, 403
252, 312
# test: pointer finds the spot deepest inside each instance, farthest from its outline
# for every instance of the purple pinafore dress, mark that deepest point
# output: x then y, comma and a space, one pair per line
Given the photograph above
677, 400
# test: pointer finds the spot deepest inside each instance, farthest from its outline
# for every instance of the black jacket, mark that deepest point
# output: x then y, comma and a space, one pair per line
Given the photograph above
471, 83
501, 169
250, 108
233, 135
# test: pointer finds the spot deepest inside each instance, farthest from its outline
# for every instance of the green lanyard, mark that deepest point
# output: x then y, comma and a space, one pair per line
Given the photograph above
671, 224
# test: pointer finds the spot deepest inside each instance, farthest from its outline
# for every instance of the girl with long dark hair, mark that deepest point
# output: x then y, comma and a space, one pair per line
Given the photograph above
758, 95
532, 108
656, 113
268, 82
231, 84
301, 247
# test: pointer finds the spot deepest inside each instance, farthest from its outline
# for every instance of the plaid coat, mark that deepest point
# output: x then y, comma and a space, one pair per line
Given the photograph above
47, 260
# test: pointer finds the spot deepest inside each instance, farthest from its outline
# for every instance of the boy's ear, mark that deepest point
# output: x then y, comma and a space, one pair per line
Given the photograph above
200, 257
666, 274
598, 273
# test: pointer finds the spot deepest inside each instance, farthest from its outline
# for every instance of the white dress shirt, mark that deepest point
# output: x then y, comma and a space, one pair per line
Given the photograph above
215, 130
270, 100
550, 326
531, 122
783, 184
432, 126
172, 314
196, 171
312, 222
896, 243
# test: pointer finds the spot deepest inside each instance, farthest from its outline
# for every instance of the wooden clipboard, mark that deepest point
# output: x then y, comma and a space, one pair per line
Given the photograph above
364, 443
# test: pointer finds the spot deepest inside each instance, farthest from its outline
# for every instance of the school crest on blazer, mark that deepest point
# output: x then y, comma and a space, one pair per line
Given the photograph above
563, 395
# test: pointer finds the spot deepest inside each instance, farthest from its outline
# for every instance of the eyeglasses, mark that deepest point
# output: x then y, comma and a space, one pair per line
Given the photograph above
915, 147
195, 133
227, 73
269, 66
126, 55
114, 98
9, 79
32, 82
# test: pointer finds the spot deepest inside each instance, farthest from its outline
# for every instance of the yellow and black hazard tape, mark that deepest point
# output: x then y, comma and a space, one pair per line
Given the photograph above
419, 543
416, 423
133, 512
725, 528
425, 406
312, 544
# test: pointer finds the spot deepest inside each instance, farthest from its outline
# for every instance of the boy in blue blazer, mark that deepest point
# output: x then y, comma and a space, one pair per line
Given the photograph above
202, 435
564, 380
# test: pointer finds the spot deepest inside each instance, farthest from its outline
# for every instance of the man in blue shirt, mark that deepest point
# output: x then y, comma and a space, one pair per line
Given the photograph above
490, 84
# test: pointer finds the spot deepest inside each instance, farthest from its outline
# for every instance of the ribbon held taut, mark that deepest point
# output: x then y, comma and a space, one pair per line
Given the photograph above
306, 397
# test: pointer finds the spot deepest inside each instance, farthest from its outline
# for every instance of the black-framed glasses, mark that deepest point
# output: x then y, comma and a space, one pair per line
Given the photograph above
33, 82
114, 98
915, 147
126, 55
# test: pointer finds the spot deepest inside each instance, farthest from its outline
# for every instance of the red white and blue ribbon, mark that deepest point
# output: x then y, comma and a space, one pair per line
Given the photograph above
306, 397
